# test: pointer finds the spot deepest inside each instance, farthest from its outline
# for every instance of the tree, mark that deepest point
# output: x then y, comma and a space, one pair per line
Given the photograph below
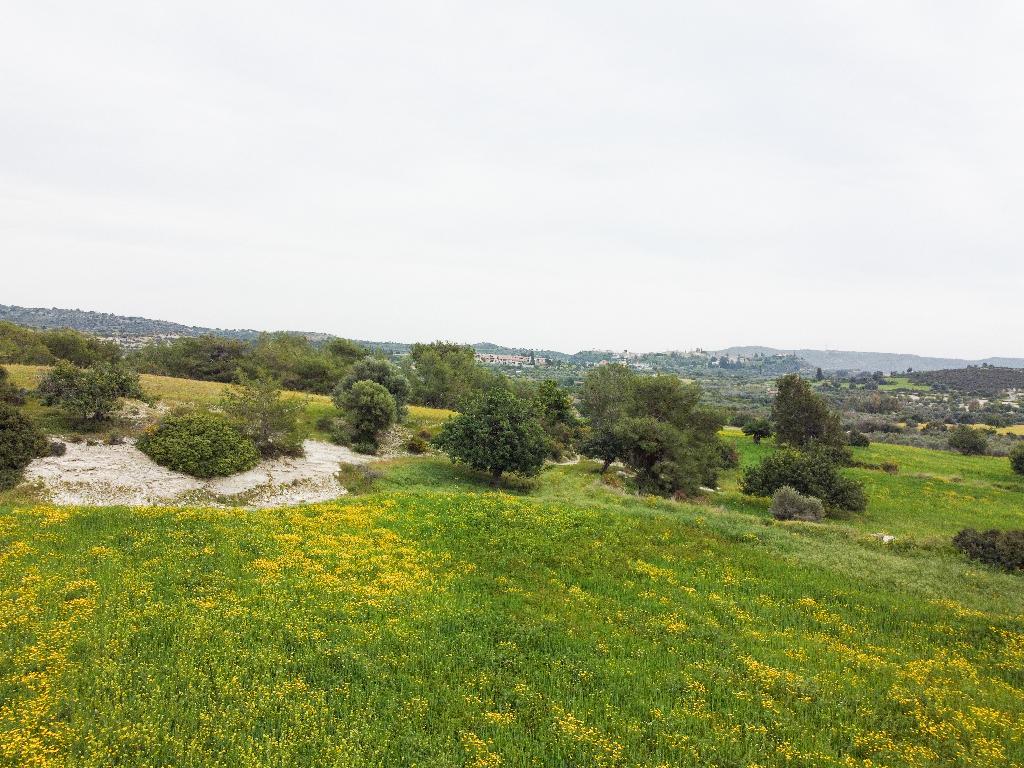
259, 412
20, 442
381, 371
370, 410
497, 432
802, 417
968, 441
1017, 458
208, 358
819, 375
344, 352
758, 429
89, 394
557, 417
604, 400
443, 375
669, 441
812, 473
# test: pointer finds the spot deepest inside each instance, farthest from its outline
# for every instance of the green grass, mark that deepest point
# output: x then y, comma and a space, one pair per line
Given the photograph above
897, 383
173, 392
557, 622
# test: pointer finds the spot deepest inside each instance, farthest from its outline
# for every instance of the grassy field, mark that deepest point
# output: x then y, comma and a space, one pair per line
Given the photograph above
174, 392
894, 383
559, 622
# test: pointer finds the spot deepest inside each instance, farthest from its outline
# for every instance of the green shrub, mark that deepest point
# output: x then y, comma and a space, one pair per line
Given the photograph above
811, 473
20, 442
357, 478
380, 371
496, 433
89, 394
857, 439
416, 444
1003, 549
369, 410
199, 444
259, 412
1017, 458
789, 504
968, 441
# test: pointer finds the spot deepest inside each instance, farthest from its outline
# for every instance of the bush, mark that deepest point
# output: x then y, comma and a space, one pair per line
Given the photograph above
789, 504
259, 412
1017, 458
20, 442
369, 410
357, 478
199, 444
89, 394
857, 439
811, 473
380, 371
968, 441
56, 448
496, 433
730, 457
416, 444
1004, 549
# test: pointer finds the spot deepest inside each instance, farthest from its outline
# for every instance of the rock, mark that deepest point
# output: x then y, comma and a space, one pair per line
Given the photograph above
885, 538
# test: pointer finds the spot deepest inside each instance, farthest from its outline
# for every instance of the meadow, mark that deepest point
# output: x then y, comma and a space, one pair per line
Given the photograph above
436, 622
171, 393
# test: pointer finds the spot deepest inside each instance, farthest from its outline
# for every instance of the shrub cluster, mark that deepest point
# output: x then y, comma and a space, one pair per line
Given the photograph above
89, 394
1004, 549
1017, 458
789, 504
811, 473
20, 442
968, 441
199, 444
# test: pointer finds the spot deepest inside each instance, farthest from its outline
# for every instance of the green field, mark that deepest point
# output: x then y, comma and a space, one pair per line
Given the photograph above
895, 383
172, 392
559, 622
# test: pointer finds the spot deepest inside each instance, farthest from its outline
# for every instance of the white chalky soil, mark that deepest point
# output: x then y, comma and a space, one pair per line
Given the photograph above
112, 475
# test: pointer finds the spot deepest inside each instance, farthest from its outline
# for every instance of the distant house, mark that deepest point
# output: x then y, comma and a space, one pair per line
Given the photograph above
516, 360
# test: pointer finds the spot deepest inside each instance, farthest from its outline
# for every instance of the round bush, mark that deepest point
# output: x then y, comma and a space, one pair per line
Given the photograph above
789, 504
20, 442
1017, 458
199, 444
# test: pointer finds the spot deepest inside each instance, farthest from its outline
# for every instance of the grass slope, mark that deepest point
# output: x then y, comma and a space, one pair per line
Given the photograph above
557, 623
174, 392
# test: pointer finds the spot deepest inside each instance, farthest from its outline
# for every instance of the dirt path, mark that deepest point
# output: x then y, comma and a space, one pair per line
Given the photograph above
121, 474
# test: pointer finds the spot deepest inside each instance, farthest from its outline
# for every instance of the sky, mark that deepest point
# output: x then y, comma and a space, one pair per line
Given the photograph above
566, 174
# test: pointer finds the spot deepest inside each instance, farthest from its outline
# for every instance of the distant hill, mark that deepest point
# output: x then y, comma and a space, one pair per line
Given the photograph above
838, 360
126, 328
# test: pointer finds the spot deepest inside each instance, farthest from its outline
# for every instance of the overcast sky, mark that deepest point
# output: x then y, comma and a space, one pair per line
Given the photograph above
641, 175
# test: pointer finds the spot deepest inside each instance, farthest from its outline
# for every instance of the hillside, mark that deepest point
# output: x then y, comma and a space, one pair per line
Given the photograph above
836, 360
561, 623
986, 382
122, 327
